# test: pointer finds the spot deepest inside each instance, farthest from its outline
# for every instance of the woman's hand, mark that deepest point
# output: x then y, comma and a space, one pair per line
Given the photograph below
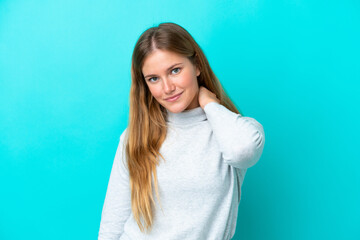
206, 96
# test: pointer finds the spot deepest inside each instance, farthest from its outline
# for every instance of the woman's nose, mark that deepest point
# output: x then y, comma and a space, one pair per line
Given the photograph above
168, 85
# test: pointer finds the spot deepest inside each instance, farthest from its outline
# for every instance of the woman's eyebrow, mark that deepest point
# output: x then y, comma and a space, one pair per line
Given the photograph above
150, 75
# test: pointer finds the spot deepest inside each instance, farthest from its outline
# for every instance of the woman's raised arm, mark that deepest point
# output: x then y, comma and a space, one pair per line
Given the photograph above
241, 139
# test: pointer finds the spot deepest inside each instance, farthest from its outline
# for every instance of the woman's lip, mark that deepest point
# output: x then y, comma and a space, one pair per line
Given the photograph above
173, 98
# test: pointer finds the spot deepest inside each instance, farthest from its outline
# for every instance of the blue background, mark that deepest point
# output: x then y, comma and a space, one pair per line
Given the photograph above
64, 88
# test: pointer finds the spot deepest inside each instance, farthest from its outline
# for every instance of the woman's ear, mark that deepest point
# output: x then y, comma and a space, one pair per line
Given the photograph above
197, 71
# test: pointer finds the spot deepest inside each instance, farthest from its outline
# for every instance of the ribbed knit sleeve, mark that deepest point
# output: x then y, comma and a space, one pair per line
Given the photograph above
117, 204
241, 139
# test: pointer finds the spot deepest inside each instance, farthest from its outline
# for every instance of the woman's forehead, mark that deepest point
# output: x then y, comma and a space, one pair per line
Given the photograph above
161, 60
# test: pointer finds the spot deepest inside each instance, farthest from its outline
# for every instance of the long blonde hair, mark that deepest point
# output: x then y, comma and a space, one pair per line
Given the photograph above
147, 118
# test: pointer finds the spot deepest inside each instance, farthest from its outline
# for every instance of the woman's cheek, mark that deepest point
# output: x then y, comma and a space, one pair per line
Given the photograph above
156, 91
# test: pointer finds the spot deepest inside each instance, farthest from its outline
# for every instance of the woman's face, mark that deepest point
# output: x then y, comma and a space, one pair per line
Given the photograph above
172, 80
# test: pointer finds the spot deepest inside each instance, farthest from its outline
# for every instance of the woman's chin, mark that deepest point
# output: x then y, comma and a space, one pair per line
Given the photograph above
175, 108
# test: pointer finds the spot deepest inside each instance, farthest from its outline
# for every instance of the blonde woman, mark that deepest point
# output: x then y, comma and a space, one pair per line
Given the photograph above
180, 163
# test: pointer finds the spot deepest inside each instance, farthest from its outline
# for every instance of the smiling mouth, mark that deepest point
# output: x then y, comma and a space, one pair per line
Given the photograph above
173, 98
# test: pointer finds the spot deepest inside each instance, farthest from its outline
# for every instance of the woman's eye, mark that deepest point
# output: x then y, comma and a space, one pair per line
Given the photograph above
152, 78
176, 70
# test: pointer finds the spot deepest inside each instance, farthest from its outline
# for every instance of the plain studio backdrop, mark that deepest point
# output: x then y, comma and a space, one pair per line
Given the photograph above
64, 100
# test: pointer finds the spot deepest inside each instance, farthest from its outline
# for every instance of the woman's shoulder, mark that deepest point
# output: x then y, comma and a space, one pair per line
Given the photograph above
123, 135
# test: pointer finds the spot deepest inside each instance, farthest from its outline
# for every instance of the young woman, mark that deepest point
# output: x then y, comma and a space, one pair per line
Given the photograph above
180, 163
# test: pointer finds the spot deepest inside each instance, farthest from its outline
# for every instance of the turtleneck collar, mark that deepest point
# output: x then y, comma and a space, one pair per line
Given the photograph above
187, 116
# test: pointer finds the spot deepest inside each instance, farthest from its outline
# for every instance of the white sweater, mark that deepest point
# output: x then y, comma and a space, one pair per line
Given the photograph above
207, 152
